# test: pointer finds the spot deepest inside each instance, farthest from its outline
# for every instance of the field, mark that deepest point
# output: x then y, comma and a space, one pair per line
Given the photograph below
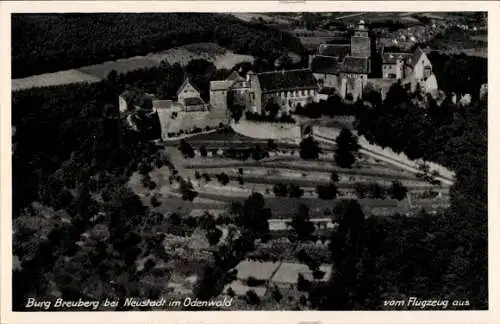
456, 42
51, 79
221, 57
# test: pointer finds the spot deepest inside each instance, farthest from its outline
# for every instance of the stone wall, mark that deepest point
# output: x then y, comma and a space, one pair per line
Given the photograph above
264, 130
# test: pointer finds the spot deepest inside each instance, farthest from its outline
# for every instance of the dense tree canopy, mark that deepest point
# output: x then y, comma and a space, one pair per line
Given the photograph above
52, 42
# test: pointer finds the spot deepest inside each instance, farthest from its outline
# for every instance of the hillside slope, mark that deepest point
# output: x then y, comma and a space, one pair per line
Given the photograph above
52, 42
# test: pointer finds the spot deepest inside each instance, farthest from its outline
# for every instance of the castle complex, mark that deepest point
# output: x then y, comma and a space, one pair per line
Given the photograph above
346, 70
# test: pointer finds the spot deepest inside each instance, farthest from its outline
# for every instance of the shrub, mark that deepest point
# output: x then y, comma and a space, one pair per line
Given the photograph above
397, 190
327, 192
376, 191
252, 282
361, 189
223, 178
318, 274
197, 175
252, 298
206, 177
334, 176
295, 191
152, 185
203, 151
155, 202
230, 292
240, 171
277, 294
144, 168
186, 149
240, 181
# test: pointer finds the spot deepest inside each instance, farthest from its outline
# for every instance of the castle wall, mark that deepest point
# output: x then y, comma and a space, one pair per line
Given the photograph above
218, 102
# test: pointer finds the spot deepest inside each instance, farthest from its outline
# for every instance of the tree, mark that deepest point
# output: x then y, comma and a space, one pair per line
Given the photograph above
253, 215
271, 145
376, 191
347, 146
302, 283
272, 108
277, 294
240, 181
223, 178
187, 191
334, 176
309, 149
295, 191
397, 190
327, 192
214, 235
350, 214
186, 149
280, 190
361, 189
203, 150
301, 223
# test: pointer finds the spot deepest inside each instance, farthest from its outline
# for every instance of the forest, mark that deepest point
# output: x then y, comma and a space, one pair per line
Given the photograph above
44, 43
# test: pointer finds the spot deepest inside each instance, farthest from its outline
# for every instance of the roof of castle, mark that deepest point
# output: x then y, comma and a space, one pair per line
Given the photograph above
325, 64
337, 50
235, 76
356, 65
221, 85
413, 59
287, 80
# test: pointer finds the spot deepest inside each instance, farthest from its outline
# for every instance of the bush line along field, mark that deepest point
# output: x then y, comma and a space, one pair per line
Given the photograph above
44, 43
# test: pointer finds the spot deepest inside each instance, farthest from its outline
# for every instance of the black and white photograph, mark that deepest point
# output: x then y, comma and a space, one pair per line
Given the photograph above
258, 160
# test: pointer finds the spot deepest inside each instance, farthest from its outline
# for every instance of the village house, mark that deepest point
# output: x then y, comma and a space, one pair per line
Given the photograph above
189, 96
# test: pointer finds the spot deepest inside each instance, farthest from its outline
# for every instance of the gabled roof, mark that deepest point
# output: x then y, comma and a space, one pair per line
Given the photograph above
221, 85
337, 50
186, 82
413, 60
325, 64
287, 80
351, 64
392, 58
235, 76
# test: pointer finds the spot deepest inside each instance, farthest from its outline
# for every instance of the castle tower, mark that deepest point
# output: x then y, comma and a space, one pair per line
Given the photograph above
360, 42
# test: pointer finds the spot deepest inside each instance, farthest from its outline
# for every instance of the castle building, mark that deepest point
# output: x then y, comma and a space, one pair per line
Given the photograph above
393, 65
345, 67
286, 88
412, 69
